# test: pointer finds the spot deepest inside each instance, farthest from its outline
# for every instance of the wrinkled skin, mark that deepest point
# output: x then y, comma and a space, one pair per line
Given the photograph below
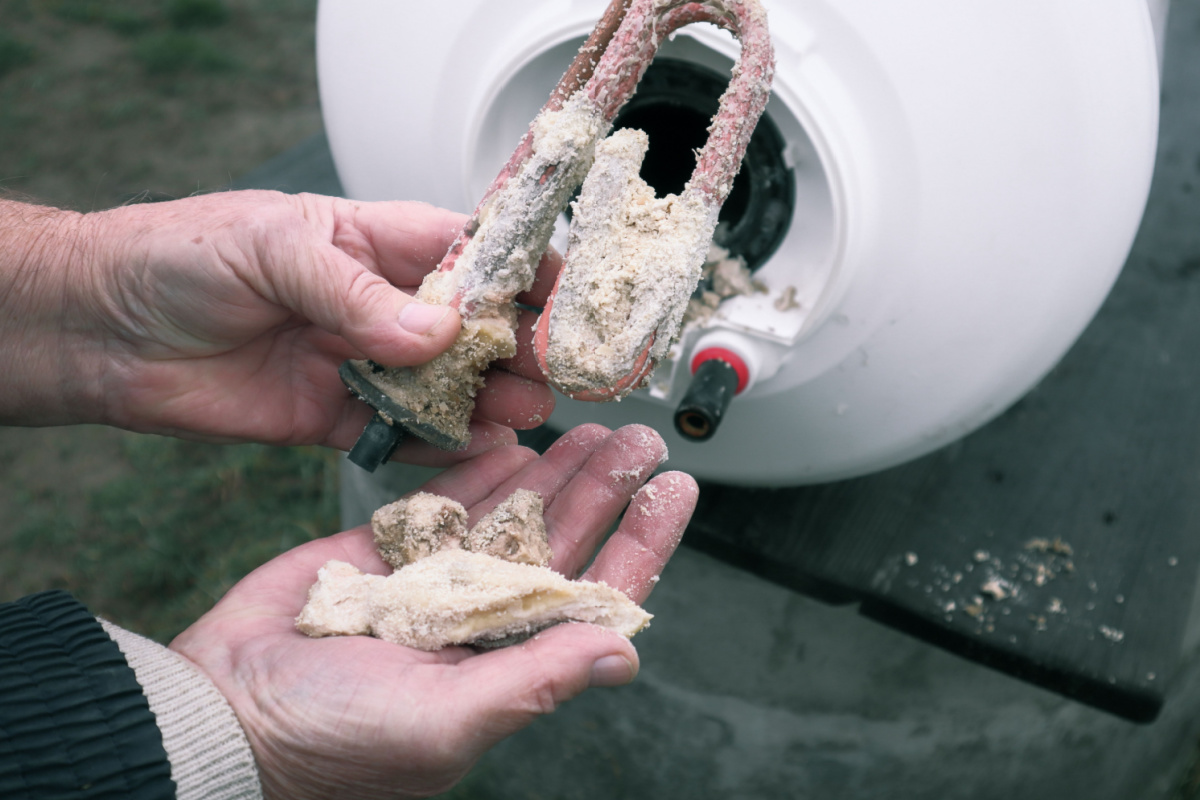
355, 717
224, 317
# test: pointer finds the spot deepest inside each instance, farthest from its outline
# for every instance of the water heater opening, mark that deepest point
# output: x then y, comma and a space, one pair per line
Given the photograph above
674, 104
782, 216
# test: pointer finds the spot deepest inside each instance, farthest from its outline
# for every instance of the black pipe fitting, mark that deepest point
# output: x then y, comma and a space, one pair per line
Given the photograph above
376, 444
713, 386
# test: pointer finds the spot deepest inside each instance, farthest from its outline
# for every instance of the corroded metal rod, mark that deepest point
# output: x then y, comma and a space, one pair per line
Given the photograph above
496, 255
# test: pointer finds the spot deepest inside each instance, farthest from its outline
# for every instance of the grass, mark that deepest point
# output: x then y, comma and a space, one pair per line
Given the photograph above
156, 547
96, 12
101, 101
197, 13
14, 54
180, 14
164, 39
172, 52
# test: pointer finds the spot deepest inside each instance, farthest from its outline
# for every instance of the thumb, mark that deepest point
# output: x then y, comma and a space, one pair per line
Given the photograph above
384, 323
505, 690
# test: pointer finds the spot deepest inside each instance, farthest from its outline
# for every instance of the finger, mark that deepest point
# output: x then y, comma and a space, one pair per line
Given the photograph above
548, 474
525, 362
548, 268
588, 506
294, 263
485, 436
476, 480
513, 401
633, 557
402, 241
338, 294
386, 324
502, 691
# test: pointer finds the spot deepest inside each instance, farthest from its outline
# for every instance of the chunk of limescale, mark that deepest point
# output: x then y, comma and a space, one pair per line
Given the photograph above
485, 586
339, 602
514, 531
418, 526
459, 597
632, 262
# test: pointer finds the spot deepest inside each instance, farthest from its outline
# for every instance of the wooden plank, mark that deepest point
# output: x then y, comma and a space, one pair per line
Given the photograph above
1059, 543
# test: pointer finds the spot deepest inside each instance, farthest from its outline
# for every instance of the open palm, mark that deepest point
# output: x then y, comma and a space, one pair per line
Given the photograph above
359, 717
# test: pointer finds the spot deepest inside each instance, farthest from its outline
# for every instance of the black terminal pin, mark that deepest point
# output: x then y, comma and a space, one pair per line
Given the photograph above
392, 421
715, 381
376, 444
382, 435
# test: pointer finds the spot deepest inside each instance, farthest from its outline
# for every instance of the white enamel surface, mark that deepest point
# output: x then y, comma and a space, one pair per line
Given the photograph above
969, 180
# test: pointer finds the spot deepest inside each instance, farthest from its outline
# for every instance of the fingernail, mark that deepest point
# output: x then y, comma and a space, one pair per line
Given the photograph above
421, 318
611, 671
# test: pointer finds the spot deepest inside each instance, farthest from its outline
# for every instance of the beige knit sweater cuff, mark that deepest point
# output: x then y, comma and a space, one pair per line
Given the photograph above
210, 756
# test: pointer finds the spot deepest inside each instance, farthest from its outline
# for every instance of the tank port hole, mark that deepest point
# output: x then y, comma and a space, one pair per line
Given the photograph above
674, 104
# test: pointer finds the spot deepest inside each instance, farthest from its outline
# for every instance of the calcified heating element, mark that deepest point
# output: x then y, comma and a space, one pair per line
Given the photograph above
632, 261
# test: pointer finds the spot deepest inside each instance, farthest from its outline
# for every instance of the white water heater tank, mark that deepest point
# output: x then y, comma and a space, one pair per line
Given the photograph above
941, 195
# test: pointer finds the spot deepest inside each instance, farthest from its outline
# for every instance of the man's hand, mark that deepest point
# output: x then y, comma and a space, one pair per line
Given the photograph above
224, 317
357, 717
